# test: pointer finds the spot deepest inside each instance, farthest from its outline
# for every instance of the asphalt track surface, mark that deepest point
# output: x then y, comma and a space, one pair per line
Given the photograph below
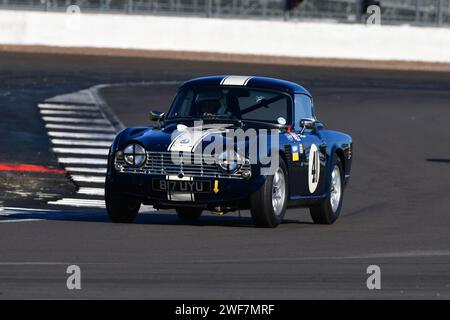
396, 209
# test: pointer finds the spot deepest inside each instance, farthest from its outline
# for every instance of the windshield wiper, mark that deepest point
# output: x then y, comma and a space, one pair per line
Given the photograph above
224, 117
182, 118
265, 123
221, 116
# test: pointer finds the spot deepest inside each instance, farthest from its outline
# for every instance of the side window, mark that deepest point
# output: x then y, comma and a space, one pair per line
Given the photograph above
186, 104
303, 108
181, 104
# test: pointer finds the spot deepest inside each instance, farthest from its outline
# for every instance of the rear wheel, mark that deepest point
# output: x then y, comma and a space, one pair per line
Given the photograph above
328, 211
268, 204
120, 208
189, 214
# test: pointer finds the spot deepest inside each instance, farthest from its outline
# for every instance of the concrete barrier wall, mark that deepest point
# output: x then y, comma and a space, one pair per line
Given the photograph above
278, 38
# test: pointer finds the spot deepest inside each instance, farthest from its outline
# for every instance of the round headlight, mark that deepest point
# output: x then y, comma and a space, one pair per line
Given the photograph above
134, 155
230, 161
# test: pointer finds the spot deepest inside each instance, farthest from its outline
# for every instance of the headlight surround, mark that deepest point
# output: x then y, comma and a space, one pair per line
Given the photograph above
134, 155
230, 161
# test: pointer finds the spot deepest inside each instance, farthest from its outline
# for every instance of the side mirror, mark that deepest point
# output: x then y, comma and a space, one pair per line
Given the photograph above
308, 124
155, 115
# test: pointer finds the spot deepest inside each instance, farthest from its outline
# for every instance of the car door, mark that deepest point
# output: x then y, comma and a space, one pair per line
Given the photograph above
312, 151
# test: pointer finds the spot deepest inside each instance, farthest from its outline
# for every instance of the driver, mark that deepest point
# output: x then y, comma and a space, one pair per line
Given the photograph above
208, 107
208, 102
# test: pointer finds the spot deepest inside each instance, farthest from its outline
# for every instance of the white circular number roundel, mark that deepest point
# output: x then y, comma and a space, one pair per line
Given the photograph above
313, 168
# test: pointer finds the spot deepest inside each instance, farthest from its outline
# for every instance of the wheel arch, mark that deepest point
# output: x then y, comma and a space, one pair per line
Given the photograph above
340, 153
335, 151
282, 155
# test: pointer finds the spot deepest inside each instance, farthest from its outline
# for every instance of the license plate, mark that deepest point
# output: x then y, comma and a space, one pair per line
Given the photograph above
181, 186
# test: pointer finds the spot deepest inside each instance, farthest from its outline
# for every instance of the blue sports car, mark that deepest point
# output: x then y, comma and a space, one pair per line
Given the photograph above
229, 143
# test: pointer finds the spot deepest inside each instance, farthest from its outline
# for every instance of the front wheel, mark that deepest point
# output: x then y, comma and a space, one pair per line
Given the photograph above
268, 204
120, 208
328, 211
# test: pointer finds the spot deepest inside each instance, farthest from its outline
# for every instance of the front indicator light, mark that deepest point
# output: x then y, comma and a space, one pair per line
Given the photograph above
118, 167
246, 174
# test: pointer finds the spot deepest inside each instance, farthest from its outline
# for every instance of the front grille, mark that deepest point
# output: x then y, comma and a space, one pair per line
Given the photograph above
173, 163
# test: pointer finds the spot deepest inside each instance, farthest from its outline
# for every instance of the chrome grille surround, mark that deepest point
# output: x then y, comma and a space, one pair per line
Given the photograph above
174, 163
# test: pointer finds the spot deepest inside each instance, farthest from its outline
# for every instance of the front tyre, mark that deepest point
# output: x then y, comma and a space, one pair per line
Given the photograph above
120, 208
328, 211
268, 204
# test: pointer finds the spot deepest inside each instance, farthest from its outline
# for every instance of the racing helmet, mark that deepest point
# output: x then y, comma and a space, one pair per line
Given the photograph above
208, 102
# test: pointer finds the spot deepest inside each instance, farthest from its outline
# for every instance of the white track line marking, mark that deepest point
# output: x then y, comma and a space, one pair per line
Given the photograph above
91, 151
86, 170
59, 134
24, 209
83, 161
67, 107
19, 220
75, 120
45, 263
90, 143
383, 255
83, 201
94, 114
35, 263
92, 179
145, 209
92, 191
79, 202
79, 128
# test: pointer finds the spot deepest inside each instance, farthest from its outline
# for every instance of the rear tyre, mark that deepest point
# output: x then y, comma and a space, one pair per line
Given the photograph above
189, 214
328, 211
268, 204
120, 208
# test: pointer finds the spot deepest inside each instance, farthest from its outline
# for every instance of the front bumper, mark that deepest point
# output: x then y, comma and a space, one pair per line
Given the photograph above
140, 186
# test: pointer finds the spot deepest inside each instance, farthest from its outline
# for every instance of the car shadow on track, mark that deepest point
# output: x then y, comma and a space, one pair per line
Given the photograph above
158, 218
439, 160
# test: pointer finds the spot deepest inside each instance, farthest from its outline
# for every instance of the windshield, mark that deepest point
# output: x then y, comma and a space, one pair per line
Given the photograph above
231, 102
